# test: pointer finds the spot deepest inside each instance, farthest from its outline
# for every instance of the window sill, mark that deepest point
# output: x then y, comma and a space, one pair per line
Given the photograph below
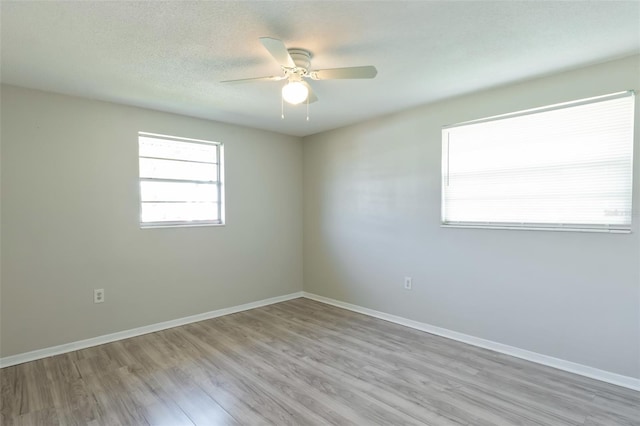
537, 228
179, 225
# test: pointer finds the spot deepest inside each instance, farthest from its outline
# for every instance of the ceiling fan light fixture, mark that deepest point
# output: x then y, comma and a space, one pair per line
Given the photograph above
295, 92
295, 66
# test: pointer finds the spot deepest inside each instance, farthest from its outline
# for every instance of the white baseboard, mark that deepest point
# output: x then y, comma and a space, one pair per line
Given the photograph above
560, 364
107, 338
572, 367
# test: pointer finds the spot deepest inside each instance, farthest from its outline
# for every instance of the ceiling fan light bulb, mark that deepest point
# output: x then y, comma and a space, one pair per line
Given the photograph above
295, 92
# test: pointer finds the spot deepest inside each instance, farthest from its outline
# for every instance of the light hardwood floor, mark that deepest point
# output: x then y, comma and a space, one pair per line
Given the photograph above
302, 363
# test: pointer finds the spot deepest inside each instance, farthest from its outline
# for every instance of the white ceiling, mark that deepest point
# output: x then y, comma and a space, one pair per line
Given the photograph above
172, 55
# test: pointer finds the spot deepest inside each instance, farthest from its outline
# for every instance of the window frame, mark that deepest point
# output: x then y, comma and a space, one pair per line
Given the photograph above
533, 226
219, 184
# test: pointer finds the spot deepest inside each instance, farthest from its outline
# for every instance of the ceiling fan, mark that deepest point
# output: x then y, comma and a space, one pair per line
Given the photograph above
295, 64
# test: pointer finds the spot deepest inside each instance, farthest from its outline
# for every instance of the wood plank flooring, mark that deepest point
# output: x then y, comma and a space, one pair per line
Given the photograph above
302, 362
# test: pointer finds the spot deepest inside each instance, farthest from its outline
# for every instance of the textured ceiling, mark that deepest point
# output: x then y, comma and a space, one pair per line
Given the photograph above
171, 56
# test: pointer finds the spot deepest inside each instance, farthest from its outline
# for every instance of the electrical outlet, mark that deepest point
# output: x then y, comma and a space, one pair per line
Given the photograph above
408, 282
98, 295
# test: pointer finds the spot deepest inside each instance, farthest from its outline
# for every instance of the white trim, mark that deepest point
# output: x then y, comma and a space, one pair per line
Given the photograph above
572, 367
553, 107
516, 227
178, 138
107, 338
560, 364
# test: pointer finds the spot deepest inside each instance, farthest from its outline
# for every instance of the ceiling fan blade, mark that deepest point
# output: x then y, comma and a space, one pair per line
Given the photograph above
368, 71
249, 80
311, 96
278, 50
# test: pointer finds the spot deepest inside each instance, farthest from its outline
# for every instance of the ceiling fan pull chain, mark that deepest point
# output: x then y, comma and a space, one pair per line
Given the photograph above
281, 107
307, 108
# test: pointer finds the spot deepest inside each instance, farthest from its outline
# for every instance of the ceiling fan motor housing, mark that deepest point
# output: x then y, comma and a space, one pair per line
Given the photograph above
301, 57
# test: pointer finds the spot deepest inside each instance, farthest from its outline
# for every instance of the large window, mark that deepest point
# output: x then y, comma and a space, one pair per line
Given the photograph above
566, 167
180, 181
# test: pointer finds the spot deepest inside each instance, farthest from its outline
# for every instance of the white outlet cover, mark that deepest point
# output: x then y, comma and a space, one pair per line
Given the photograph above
408, 283
98, 295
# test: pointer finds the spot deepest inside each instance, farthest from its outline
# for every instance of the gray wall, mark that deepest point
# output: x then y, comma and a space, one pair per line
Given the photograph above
70, 222
371, 216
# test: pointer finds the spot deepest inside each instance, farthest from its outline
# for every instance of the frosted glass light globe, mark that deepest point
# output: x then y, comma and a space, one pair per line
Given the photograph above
295, 92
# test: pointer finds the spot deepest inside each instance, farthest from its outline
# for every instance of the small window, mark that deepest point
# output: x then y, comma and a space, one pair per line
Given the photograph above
180, 181
563, 167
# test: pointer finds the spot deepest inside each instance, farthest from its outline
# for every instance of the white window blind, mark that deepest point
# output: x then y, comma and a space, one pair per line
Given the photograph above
567, 166
180, 181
